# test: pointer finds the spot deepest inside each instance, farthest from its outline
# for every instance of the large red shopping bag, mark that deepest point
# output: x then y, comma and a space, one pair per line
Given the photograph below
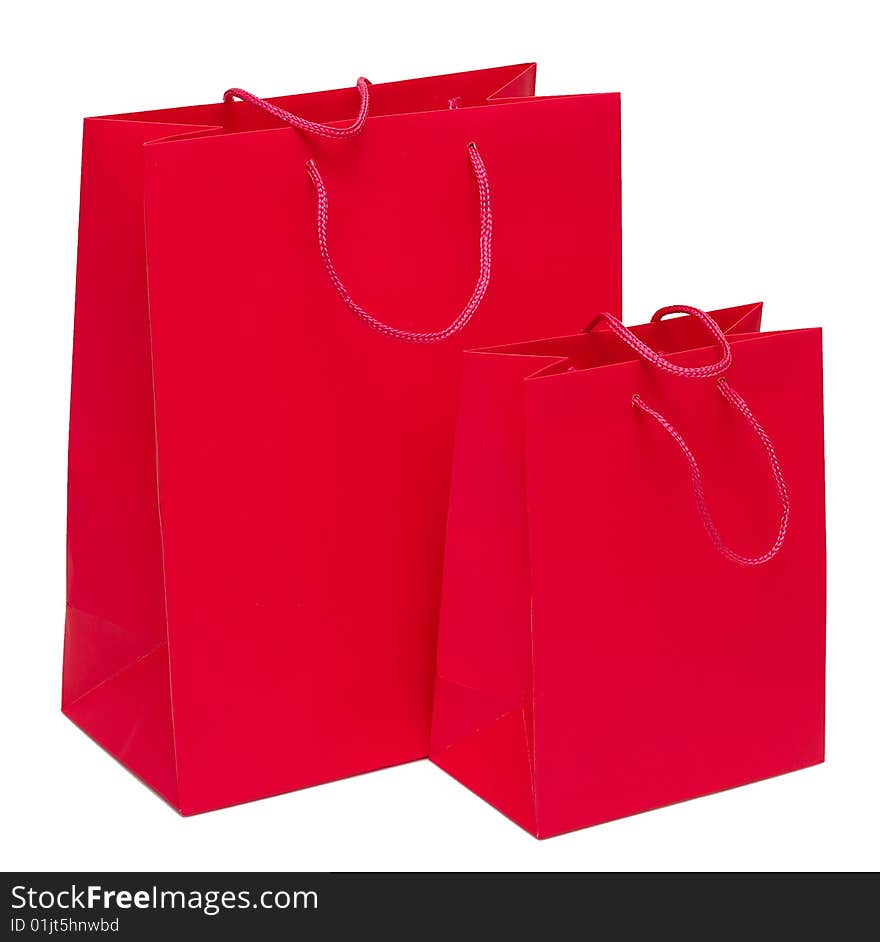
633, 601
272, 301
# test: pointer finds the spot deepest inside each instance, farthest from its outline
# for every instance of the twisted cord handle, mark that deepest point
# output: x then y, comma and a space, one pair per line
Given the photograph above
301, 124
483, 277
646, 353
737, 401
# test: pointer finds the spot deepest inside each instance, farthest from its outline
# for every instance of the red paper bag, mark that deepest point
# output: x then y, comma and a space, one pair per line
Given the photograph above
272, 300
633, 600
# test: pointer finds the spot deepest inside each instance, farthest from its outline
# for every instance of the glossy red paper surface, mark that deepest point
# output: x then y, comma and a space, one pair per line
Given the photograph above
258, 482
597, 657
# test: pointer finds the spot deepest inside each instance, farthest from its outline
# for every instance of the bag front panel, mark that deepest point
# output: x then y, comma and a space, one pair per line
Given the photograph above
663, 670
303, 458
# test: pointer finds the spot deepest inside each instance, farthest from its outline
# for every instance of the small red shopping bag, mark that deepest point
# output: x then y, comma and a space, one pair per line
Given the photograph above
633, 600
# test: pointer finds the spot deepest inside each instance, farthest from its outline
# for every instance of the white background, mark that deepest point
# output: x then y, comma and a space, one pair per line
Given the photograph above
750, 172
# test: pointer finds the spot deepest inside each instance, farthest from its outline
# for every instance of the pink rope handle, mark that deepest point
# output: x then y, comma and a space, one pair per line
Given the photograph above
740, 404
644, 351
479, 291
301, 124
